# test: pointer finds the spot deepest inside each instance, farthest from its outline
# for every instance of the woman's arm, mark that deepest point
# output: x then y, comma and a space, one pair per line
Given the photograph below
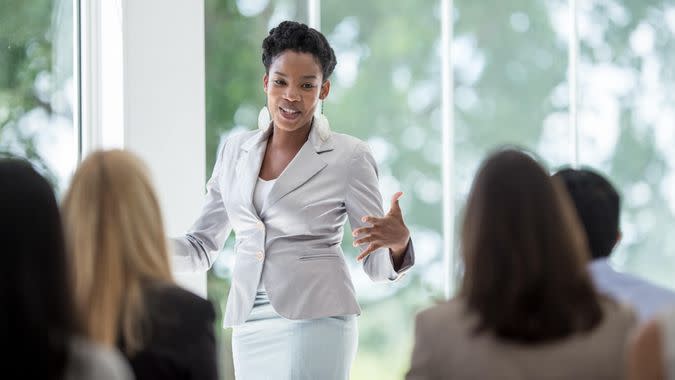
363, 200
198, 249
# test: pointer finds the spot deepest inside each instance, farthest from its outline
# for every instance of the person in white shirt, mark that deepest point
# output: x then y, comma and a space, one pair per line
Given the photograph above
598, 206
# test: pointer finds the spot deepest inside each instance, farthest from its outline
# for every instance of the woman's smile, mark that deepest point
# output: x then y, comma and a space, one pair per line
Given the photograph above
289, 113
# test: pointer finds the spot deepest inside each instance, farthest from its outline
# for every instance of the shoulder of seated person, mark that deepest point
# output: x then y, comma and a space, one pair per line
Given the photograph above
618, 309
443, 310
173, 297
89, 360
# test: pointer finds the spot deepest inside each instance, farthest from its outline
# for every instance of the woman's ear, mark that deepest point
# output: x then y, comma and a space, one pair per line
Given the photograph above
266, 80
325, 89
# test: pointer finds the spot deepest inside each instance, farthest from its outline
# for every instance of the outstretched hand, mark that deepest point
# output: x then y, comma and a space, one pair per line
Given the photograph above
388, 231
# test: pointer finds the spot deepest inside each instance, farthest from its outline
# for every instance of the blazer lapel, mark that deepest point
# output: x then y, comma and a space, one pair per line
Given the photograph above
248, 166
305, 165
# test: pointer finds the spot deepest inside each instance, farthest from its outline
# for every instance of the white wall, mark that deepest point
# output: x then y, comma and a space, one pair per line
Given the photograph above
164, 105
145, 67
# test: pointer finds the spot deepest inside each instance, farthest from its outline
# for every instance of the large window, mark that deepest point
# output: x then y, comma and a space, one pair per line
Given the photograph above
511, 72
36, 85
627, 123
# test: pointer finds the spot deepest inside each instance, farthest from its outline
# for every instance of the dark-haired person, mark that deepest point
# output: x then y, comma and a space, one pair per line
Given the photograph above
598, 206
38, 323
526, 308
286, 190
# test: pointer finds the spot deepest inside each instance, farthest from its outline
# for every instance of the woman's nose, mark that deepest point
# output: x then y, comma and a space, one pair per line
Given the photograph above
291, 94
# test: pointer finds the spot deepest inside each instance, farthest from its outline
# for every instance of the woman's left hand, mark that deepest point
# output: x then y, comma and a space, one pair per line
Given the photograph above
389, 231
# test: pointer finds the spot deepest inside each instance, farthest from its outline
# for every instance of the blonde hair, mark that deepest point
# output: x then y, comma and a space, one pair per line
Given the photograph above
116, 244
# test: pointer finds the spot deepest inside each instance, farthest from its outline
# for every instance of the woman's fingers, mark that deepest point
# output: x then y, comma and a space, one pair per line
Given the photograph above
361, 231
371, 219
372, 247
395, 208
363, 240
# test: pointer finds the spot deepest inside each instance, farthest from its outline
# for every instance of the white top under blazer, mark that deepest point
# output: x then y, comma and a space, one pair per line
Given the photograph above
260, 194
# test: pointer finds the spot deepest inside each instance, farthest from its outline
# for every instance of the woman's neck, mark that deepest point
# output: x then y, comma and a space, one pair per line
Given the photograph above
289, 139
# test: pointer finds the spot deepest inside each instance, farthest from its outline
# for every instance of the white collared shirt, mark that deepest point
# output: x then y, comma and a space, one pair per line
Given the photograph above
645, 297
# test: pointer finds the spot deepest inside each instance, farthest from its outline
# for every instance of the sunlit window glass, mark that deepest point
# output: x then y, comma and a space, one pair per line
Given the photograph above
36, 86
627, 123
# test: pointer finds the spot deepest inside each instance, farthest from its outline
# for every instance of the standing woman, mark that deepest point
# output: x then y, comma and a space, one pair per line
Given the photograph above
286, 190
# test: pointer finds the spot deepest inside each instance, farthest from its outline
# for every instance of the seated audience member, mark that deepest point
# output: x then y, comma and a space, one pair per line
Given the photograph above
123, 285
598, 207
526, 308
38, 324
651, 353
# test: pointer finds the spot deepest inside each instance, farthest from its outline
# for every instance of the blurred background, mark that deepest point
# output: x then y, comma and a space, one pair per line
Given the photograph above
509, 62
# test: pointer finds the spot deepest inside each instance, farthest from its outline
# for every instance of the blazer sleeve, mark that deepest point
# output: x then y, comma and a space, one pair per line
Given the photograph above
198, 249
363, 198
421, 362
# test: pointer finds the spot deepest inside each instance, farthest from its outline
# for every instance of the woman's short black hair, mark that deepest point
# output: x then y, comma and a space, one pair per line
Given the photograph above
38, 315
291, 35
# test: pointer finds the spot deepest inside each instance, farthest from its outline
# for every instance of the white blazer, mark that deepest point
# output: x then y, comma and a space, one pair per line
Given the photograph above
293, 245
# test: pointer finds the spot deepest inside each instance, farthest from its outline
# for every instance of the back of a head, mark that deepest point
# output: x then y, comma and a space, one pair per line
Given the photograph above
524, 252
597, 204
38, 317
115, 235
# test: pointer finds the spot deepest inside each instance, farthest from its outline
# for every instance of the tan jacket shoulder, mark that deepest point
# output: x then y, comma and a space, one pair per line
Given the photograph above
447, 347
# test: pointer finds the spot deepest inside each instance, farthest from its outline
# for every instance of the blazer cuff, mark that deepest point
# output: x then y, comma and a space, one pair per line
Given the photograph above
408, 261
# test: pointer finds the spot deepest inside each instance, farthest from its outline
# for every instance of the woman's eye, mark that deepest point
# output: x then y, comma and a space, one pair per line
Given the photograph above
307, 85
278, 82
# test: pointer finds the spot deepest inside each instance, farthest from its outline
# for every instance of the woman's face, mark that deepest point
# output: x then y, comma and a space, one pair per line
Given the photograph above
294, 86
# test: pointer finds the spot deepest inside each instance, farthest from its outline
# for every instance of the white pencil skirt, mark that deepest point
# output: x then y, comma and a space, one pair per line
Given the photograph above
270, 347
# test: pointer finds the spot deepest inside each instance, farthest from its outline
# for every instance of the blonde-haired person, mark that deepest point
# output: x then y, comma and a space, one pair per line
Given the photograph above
124, 292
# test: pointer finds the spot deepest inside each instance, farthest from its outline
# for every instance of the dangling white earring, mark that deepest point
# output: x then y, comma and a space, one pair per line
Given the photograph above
322, 125
264, 119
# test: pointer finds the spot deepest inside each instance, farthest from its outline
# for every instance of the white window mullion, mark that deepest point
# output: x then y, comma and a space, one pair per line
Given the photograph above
89, 78
77, 82
573, 80
447, 113
314, 10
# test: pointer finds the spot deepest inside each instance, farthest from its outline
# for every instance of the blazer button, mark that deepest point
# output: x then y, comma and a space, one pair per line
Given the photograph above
260, 256
260, 225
